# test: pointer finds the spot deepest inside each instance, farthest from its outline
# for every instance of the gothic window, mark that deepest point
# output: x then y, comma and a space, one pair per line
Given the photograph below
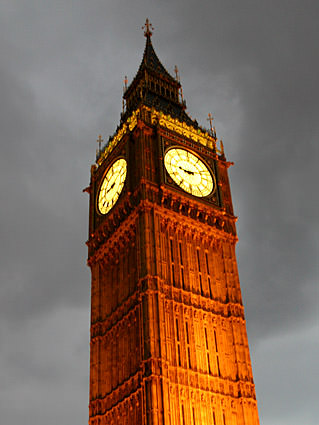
199, 272
183, 415
188, 347
214, 418
181, 263
178, 343
217, 353
209, 279
198, 260
172, 262
193, 415
191, 267
207, 265
224, 419
207, 353
169, 336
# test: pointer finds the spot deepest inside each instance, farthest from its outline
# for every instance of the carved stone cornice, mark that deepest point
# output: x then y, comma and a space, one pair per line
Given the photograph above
105, 244
197, 385
185, 384
197, 304
205, 223
128, 392
125, 312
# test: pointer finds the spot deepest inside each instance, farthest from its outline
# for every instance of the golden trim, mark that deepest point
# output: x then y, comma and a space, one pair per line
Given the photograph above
197, 135
165, 121
173, 124
128, 126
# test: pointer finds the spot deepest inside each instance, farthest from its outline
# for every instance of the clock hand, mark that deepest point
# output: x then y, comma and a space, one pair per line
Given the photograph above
111, 187
186, 171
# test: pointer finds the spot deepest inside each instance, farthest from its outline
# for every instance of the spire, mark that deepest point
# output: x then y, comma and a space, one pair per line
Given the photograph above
153, 86
150, 59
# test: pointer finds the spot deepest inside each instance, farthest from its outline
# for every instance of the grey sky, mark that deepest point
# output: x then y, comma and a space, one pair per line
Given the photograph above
254, 66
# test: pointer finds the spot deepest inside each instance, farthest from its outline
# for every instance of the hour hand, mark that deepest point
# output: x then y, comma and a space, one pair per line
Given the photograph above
111, 187
186, 171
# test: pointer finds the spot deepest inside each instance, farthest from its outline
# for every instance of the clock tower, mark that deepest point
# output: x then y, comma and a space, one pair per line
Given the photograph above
168, 333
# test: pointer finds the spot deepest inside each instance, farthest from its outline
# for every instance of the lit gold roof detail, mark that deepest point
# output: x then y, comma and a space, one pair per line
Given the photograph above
165, 121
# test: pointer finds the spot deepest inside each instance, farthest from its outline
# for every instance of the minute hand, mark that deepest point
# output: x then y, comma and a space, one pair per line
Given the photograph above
111, 187
186, 171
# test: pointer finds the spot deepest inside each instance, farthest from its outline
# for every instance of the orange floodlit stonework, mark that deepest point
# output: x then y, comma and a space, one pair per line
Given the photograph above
168, 333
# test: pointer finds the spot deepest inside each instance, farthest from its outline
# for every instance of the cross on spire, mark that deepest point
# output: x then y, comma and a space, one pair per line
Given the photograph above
210, 119
212, 128
176, 73
148, 27
100, 140
125, 84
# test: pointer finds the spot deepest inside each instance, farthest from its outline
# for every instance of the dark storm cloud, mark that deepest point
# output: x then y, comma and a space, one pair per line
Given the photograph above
36, 219
254, 65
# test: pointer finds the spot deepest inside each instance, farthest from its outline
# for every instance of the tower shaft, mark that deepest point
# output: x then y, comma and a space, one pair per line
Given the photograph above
168, 332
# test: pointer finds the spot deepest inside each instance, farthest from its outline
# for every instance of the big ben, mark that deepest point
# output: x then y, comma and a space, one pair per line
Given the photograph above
168, 341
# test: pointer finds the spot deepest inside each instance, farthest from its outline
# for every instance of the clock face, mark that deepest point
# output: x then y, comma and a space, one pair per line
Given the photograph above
189, 172
112, 185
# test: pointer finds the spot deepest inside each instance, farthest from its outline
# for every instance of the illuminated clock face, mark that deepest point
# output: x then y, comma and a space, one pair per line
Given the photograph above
189, 172
112, 185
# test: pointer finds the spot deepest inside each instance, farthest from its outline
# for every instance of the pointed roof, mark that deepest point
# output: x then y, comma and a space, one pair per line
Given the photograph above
154, 86
150, 64
151, 61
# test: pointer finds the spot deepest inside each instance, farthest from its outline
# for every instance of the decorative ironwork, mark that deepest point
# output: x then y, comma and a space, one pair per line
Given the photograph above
148, 27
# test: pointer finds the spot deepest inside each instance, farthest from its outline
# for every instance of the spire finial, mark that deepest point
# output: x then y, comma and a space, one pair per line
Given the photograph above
176, 73
210, 119
125, 84
212, 128
148, 27
100, 140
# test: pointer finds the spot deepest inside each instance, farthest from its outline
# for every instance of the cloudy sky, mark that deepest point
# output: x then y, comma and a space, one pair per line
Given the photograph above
254, 66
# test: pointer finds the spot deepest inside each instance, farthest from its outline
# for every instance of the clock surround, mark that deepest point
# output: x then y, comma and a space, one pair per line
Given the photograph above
111, 187
189, 172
